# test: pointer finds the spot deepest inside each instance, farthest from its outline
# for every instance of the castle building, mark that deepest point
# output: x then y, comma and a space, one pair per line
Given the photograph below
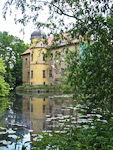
41, 70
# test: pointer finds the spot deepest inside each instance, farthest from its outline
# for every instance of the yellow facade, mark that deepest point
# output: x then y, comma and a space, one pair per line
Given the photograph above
42, 70
39, 65
42, 113
26, 69
34, 112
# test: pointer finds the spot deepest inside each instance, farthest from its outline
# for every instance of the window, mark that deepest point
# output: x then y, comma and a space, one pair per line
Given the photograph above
44, 125
62, 72
44, 108
51, 57
44, 83
43, 57
44, 73
50, 73
71, 111
50, 109
31, 107
31, 57
28, 75
31, 73
28, 106
61, 42
26, 61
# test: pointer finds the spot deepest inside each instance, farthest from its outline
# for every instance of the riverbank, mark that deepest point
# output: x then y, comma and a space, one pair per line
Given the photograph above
40, 89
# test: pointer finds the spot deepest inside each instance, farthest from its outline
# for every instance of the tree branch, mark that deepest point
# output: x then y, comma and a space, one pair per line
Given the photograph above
72, 16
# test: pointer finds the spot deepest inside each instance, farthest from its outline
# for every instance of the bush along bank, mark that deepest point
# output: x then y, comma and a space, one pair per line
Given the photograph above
43, 89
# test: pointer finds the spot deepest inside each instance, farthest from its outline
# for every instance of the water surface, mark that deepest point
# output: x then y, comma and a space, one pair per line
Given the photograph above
28, 116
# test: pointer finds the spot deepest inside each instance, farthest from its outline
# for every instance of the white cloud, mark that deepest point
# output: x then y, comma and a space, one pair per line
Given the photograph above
15, 29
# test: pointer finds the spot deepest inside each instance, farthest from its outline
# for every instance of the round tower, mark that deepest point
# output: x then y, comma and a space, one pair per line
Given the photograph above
38, 34
36, 37
39, 64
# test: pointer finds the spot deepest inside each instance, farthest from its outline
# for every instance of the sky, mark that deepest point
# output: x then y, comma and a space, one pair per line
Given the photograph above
15, 29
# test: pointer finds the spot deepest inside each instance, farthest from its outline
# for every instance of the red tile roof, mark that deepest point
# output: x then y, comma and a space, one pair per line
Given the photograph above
64, 39
26, 52
50, 39
61, 42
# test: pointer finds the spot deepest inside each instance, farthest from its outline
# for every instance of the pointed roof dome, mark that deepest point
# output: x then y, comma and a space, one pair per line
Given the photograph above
38, 34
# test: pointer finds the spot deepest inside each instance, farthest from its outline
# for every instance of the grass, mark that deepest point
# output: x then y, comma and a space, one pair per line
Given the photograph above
39, 87
35, 95
62, 89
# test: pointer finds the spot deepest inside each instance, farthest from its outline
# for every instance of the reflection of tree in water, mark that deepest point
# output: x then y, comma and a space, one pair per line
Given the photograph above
11, 125
4, 104
33, 113
12, 135
14, 113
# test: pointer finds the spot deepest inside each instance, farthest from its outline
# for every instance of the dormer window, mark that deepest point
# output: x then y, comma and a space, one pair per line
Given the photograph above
51, 57
61, 42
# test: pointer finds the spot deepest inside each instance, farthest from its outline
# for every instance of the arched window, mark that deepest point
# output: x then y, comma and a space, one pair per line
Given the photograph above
50, 73
51, 57
44, 108
28, 75
26, 61
43, 57
31, 73
44, 73
62, 71
31, 57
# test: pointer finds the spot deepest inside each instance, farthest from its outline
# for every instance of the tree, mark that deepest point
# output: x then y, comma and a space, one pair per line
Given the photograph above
11, 49
90, 76
4, 87
81, 14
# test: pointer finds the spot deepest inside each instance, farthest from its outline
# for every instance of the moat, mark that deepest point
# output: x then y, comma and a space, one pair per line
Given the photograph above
29, 116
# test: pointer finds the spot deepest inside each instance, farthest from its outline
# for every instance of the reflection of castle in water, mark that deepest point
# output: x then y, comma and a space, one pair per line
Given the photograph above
34, 112
45, 113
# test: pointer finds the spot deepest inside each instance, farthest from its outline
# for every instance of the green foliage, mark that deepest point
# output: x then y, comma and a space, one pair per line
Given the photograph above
90, 75
73, 16
11, 49
90, 138
4, 87
39, 87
